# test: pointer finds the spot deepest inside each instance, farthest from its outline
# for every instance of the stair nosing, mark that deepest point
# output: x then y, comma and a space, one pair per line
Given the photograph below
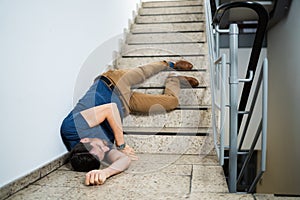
169, 131
170, 22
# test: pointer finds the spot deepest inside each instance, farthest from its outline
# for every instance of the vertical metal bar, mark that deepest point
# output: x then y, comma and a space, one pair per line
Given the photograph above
253, 103
223, 109
217, 37
251, 151
233, 111
210, 40
265, 116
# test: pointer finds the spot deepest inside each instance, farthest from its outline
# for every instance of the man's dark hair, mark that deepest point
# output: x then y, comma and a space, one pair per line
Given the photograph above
82, 160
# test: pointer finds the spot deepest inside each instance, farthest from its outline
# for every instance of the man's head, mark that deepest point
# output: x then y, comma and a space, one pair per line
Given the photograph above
87, 154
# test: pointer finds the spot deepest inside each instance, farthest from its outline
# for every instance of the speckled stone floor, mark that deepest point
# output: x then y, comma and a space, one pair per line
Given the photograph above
153, 176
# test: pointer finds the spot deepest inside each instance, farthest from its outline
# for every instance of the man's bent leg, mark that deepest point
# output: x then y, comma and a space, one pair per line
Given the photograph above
124, 79
136, 75
140, 102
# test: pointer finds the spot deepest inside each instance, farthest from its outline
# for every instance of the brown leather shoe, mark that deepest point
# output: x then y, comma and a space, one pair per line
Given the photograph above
183, 65
187, 81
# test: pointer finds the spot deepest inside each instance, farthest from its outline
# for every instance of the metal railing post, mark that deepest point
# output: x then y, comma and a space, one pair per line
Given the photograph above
223, 108
265, 115
233, 111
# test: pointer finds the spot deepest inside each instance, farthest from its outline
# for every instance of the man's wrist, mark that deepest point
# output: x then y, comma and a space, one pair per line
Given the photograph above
121, 147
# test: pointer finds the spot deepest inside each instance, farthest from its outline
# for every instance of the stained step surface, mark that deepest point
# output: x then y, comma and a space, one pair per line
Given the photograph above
176, 118
194, 49
169, 144
162, 4
161, 38
175, 18
168, 27
171, 10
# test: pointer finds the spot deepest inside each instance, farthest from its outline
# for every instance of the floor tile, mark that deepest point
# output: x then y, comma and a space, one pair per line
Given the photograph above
220, 196
198, 160
208, 179
272, 197
166, 168
61, 178
40, 192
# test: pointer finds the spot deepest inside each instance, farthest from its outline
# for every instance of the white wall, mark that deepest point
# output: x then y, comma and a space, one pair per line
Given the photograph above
283, 154
44, 45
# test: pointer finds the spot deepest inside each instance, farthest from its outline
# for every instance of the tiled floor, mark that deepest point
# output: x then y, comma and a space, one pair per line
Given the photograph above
153, 176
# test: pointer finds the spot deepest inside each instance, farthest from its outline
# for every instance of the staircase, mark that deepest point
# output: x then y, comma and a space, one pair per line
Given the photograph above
176, 148
170, 31
176, 153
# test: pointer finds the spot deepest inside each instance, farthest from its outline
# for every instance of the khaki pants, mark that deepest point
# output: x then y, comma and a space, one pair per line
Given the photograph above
140, 102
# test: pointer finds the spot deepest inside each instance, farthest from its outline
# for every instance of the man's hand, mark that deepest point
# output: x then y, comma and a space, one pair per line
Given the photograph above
129, 152
95, 177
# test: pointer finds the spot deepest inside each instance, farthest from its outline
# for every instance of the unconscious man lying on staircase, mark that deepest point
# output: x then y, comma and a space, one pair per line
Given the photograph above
93, 131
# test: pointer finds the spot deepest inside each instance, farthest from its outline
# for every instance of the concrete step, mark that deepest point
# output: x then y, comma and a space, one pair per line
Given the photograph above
176, 118
199, 62
160, 4
164, 144
170, 18
167, 131
164, 50
171, 10
160, 38
163, 28
192, 97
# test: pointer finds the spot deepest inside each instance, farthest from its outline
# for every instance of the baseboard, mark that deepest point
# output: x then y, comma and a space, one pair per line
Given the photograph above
13, 187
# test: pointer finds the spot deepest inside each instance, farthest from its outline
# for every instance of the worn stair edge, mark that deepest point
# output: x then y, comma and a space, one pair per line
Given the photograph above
187, 131
164, 50
162, 19
161, 38
162, 4
167, 27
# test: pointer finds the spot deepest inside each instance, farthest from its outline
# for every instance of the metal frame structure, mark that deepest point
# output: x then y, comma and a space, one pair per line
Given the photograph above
236, 107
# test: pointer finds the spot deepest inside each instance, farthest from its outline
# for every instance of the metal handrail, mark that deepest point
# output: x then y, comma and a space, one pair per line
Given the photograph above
235, 113
218, 133
263, 19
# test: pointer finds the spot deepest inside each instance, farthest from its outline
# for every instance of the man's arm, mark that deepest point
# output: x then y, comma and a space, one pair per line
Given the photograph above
120, 162
96, 115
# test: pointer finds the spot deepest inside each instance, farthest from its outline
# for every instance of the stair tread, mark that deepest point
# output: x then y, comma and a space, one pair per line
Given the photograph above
168, 27
199, 62
169, 18
164, 50
160, 38
176, 118
170, 4
171, 130
171, 10
171, 144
